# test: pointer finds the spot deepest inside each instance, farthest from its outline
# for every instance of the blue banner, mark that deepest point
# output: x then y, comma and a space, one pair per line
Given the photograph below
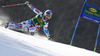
91, 13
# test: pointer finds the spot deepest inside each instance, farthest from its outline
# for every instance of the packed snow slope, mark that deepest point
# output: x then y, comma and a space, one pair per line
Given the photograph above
63, 21
13, 43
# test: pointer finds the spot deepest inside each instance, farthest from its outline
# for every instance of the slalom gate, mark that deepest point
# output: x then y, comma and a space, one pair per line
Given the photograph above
91, 13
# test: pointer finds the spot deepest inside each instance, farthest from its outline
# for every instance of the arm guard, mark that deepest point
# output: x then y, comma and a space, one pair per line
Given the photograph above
38, 12
45, 27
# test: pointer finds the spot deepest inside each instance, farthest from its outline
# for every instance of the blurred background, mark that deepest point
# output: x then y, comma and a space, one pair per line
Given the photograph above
62, 23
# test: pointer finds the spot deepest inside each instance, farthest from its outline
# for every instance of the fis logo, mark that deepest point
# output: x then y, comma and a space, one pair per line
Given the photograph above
93, 10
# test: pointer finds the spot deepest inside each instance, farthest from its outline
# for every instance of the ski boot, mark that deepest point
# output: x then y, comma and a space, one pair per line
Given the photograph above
6, 25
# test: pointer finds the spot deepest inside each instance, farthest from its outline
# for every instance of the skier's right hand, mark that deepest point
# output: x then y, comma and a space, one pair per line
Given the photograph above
27, 2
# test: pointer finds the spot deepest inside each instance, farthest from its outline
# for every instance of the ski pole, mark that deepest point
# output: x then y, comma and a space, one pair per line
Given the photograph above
14, 5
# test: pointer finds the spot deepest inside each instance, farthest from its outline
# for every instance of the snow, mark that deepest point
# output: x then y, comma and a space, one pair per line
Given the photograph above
18, 44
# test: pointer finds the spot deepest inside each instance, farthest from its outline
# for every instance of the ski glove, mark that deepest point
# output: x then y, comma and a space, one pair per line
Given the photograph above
48, 36
27, 2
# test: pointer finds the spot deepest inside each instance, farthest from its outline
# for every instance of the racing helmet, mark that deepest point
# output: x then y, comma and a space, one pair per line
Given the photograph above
48, 14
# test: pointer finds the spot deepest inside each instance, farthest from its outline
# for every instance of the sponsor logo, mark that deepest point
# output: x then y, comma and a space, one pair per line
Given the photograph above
37, 11
93, 10
33, 28
11, 25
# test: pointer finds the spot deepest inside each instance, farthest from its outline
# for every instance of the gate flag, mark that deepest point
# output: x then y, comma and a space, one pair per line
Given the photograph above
91, 13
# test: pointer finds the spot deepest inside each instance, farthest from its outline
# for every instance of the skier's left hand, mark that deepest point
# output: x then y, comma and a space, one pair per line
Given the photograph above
48, 36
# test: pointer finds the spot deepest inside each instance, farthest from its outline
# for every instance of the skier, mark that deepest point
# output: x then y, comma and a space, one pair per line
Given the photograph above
34, 24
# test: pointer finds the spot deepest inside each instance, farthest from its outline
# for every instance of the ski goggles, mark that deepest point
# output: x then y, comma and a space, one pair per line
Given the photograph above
48, 16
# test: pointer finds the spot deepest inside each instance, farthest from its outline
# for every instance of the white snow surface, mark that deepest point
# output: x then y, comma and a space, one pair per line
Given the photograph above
13, 43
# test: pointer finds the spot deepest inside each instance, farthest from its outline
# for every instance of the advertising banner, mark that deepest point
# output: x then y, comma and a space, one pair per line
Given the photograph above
91, 13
